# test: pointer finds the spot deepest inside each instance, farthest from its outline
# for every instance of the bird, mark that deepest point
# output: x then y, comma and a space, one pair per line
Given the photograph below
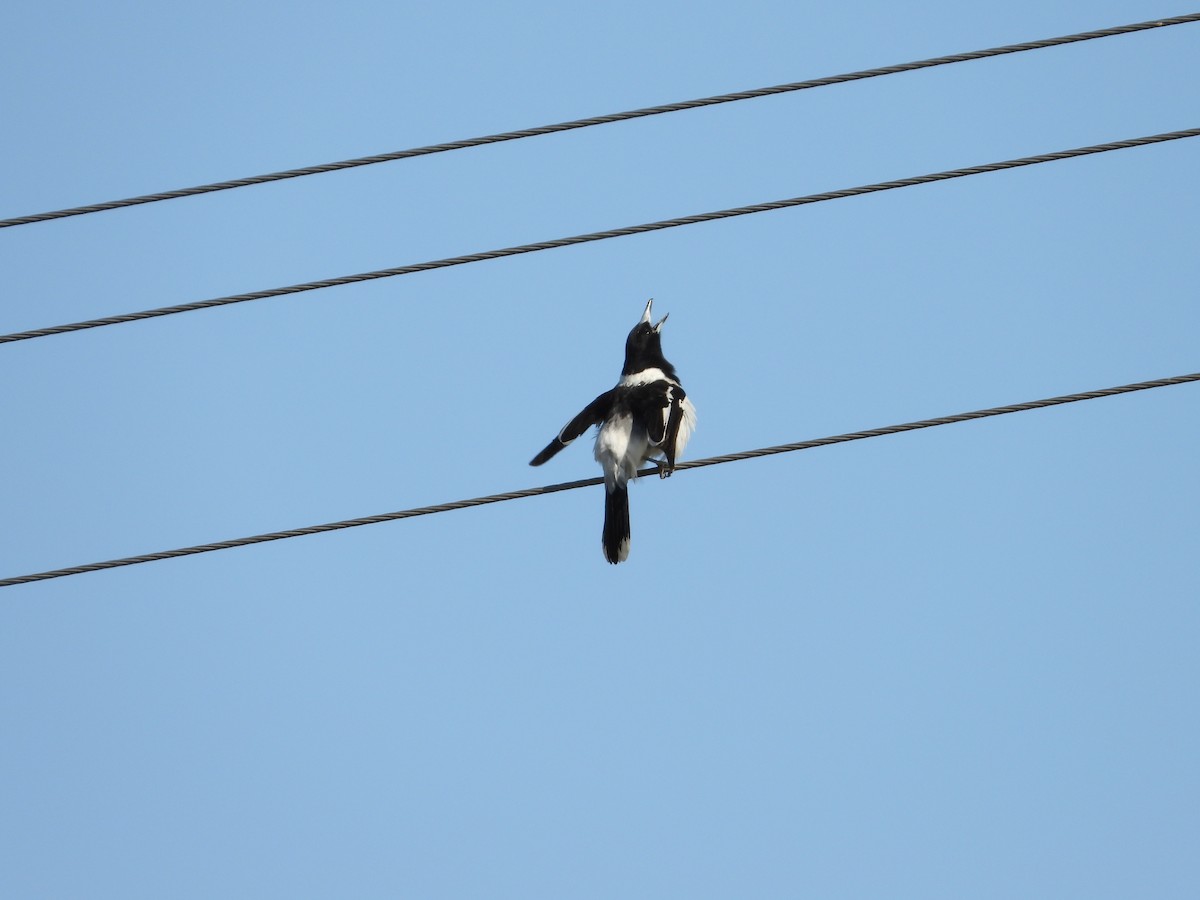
647, 416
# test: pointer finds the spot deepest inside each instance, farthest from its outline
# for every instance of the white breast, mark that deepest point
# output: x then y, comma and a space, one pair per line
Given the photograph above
620, 449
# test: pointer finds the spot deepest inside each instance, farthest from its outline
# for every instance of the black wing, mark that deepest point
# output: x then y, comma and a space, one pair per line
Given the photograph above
659, 407
592, 414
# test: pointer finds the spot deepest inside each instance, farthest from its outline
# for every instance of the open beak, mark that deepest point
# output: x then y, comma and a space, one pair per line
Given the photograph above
646, 316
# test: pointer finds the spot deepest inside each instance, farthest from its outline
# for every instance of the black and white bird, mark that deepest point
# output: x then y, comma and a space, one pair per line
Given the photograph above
646, 416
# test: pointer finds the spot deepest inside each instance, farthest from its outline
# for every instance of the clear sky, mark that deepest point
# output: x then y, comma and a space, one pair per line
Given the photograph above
954, 663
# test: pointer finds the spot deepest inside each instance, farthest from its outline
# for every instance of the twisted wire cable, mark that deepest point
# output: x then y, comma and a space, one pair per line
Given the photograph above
599, 235
601, 120
589, 482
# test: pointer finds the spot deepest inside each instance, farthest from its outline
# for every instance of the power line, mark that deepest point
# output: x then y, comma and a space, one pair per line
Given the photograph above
598, 236
590, 482
601, 120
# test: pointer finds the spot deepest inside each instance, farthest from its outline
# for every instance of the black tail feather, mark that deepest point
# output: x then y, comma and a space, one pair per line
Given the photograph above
616, 524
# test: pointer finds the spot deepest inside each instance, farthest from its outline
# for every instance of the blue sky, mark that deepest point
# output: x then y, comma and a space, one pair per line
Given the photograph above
959, 662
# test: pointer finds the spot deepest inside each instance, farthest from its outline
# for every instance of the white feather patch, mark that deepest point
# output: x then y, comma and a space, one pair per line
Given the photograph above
620, 449
687, 425
646, 376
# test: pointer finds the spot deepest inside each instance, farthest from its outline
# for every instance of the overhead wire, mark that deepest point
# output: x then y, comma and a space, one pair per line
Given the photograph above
591, 482
599, 235
601, 120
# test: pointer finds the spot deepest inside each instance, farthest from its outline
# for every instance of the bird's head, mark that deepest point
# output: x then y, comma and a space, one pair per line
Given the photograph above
643, 347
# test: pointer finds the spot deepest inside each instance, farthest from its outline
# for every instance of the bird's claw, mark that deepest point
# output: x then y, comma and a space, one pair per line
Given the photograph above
664, 470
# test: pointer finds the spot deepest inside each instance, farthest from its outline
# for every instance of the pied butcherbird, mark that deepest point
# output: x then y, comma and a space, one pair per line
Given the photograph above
646, 416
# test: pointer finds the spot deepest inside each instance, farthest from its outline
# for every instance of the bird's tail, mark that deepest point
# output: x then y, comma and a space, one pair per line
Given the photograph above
616, 524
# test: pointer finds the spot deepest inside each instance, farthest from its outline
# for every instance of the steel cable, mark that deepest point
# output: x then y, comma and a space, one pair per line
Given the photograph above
601, 120
590, 482
599, 235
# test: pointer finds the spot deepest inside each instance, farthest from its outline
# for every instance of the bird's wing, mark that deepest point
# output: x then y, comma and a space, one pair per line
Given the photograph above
659, 407
592, 414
